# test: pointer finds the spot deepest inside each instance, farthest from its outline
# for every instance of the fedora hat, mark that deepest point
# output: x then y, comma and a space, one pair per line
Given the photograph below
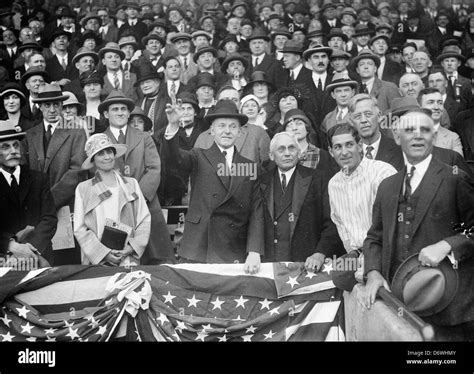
146, 70
59, 31
337, 32
13, 88
128, 40
442, 56
380, 36
365, 55
337, 53
239, 3
361, 30
225, 109
88, 77
180, 36
317, 49
72, 100
97, 143
329, 5
159, 22
259, 76
258, 33
403, 105
84, 51
34, 70
202, 50
89, 34
293, 114
228, 38
30, 45
425, 290
153, 36
49, 92
292, 47
205, 79
131, 4
175, 7
116, 97
341, 82
10, 131
88, 16
283, 30
383, 26
350, 12
233, 57
189, 98
198, 33
111, 47
315, 34
137, 111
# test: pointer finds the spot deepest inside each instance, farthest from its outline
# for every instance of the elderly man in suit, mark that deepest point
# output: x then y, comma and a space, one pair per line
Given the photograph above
342, 90
53, 148
431, 98
224, 223
253, 141
29, 219
298, 225
115, 78
414, 213
142, 162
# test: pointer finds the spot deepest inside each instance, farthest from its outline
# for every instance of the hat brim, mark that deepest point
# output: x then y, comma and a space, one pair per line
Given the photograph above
307, 54
352, 84
36, 47
52, 98
226, 63
442, 56
94, 55
243, 119
84, 20
204, 50
375, 59
27, 76
120, 150
133, 44
20, 94
104, 105
409, 109
412, 265
12, 136
147, 38
159, 76
102, 52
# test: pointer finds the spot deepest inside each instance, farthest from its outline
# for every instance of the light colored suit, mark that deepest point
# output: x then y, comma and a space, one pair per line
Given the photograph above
253, 143
191, 71
331, 120
384, 92
449, 140
128, 87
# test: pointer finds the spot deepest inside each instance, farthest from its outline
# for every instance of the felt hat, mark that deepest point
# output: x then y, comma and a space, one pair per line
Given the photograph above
317, 49
34, 70
10, 131
202, 50
365, 55
225, 109
232, 57
137, 111
111, 47
88, 77
116, 97
84, 51
49, 92
292, 47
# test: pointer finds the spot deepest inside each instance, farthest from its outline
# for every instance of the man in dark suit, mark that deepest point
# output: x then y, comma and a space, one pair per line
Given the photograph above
414, 213
261, 61
29, 219
108, 31
224, 223
60, 66
459, 87
58, 151
298, 225
388, 70
133, 24
205, 57
142, 162
465, 129
330, 19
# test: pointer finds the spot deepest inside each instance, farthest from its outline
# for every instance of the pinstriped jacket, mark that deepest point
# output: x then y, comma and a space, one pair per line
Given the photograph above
133, 212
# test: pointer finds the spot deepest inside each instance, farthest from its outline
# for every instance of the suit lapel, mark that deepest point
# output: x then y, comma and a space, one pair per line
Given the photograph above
37, 133
376, 87
131, 139
25, 183
239, 144
57, 140
215, 158
300, 190
6, 190
267, 190
392, 206
430, 185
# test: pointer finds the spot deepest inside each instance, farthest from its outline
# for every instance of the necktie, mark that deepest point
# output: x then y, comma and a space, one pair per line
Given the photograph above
368, 152
14, 185
127, 66
10, 52
339, 116
116, 81
35, 110
292, 76
363, 88
283, 183
452, 79
185, 60
47, 138
173, 89
407, 182
255, 62
121, 138
63, 63
320, 84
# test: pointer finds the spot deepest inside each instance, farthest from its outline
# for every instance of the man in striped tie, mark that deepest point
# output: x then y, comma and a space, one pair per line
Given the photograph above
352, 194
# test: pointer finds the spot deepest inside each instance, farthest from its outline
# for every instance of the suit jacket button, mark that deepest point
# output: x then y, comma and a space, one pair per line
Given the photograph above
275, 241
214, 195
275, 223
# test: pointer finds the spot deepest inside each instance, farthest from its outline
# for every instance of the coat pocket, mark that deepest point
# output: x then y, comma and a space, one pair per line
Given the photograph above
193, 217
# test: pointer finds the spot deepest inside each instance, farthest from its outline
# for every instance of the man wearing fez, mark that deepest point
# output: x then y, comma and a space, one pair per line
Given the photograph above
57, 151
142, 162
29, 219
415, 214
115, 78
224, 222
298, 225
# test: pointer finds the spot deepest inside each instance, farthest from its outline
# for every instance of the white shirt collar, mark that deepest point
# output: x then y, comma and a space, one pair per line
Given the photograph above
421, 167
7, 175
116, 131
53, 128
258, 58
229, 153
168, 83
296, 70
288, 174
370, 84
375, 145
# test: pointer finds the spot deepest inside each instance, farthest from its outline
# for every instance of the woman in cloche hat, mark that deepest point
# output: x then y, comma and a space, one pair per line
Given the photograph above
112, 222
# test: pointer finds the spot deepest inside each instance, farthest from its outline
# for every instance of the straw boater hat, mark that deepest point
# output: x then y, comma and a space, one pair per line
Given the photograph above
8, 131
49, 92
116, 97
97, 143
225, 109
425, 290
341, 82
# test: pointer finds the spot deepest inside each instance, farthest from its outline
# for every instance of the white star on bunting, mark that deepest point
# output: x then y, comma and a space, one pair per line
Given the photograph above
274, 311
292, 281
251, 329
26, 328
162, 318
102, 330
193, 301
181, 326
72, 333
93, 323
222, 338
286, 263
50, 339
7, 337
327, 268
265, 304
31, 339
50, 331
269, 335
207, 327
241, 302
217, 304
169, 298
68, 324
238, 318
6, 320
22, 311
247, 338
310, 275
201, 335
